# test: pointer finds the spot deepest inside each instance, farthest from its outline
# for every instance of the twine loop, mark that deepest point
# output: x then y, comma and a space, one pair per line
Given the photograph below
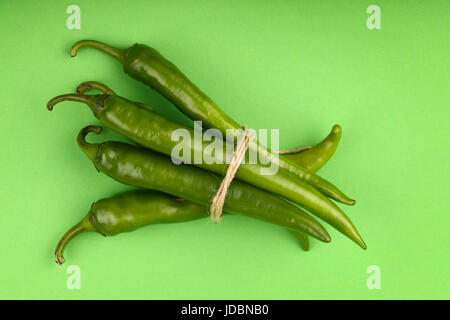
238, 156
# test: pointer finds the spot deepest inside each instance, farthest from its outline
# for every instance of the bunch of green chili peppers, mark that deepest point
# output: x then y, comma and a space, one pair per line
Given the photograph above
172, 192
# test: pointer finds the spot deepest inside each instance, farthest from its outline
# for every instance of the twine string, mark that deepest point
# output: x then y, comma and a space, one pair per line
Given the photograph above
238, 156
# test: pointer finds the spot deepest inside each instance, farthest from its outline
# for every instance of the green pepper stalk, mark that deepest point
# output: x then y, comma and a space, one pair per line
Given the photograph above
83, 226
147, 65
88, 85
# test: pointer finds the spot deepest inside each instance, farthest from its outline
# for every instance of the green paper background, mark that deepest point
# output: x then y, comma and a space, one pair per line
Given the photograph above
300, 66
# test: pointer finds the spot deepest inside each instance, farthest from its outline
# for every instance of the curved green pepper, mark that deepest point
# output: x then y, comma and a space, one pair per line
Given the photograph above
314, 158
131, 210
147, 65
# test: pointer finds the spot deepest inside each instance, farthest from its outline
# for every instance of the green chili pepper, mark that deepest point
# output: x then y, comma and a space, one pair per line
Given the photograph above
153, 131
131, 210
147, 65
151, 170
314, 158
302, 239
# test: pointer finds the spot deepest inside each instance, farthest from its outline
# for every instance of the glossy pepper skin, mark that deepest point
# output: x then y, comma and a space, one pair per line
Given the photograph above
131, 210
153, 131
134, 209
151, 170
314, 158
147, 65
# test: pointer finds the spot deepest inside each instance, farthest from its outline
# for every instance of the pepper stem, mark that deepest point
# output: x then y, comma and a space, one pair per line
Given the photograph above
83, 225
113, 52
70, 97
88, 148
297, 150
85, 86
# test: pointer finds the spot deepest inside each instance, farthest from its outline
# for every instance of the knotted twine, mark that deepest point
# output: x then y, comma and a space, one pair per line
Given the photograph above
238, 156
